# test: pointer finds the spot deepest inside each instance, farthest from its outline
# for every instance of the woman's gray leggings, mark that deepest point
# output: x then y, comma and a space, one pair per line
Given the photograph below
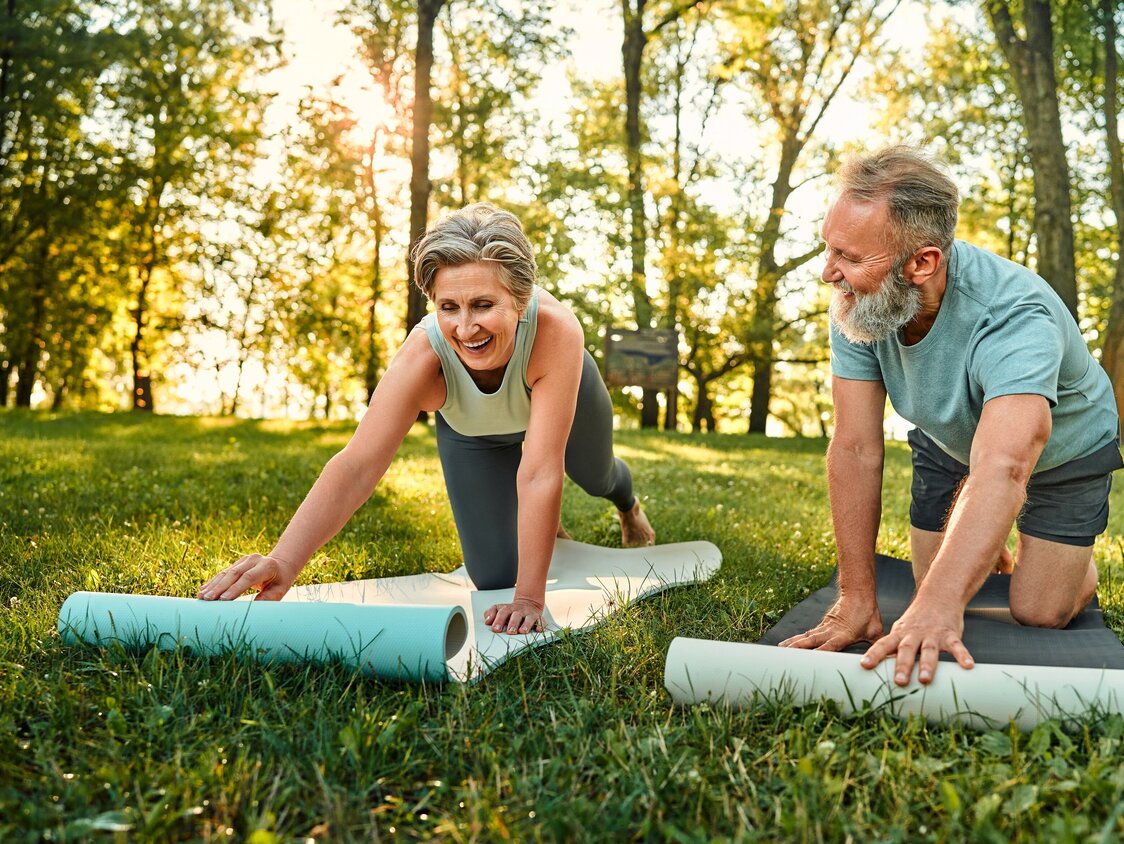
480, 477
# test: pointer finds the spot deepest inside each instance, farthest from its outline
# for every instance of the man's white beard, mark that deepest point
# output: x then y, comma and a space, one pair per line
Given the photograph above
869, 317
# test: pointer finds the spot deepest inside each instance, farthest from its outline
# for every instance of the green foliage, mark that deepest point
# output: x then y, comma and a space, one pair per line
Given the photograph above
118, 123
965, 99
54, 185
573, 741
492, 61
136, 230
962, 95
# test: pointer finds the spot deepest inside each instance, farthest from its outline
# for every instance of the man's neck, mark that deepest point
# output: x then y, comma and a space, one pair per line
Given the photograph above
932, 292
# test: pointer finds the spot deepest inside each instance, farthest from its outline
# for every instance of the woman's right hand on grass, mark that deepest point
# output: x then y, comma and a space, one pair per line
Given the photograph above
271, 576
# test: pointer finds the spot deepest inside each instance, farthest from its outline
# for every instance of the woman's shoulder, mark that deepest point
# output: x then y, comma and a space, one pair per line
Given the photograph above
555, 317
417, 346
417, 362
558, 337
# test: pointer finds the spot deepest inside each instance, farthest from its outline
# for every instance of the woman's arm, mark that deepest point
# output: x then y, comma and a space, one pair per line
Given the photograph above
412, 383
554, 374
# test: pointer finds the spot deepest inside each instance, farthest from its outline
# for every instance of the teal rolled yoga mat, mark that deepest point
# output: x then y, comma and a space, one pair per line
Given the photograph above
407, 642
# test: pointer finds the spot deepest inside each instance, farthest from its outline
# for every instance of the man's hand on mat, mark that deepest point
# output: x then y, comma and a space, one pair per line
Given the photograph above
921, 632
847, 622
520, 616
271, 576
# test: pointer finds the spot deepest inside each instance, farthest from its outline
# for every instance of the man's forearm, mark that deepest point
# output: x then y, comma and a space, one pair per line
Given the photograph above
854, 481
977, 529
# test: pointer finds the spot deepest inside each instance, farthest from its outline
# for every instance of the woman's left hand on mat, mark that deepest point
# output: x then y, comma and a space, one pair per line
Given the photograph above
920, 635
522, 615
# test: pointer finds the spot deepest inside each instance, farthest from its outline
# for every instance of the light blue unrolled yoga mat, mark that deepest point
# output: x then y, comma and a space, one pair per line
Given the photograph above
407, 642
415, 627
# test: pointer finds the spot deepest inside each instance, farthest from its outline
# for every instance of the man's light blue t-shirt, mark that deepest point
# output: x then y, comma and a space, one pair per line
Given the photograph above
1001, 330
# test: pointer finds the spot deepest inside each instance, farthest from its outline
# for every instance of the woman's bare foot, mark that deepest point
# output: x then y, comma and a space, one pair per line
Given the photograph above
562, 534
636, 532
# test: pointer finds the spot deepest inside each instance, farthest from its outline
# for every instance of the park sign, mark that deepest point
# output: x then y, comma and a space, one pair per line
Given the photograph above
647, 358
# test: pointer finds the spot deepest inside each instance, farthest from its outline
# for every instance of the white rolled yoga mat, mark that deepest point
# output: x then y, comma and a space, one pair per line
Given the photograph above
1024, 674
417, 627
987, 696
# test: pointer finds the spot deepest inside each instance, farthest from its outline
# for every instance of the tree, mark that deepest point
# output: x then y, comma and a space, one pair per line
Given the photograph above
637, 35
794, 57
961, 94
331, 283
1031, 57
1112, 351
679, 213
381, 29
495, 53
428, 10
53, 179
183, 97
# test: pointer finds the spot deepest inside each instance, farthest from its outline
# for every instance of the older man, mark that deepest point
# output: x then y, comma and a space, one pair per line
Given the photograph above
1015, 421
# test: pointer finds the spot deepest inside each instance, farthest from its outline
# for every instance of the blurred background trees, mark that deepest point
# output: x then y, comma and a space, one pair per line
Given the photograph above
179, 228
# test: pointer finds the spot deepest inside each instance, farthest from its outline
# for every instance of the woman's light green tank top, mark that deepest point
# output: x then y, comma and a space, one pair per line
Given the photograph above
468, 409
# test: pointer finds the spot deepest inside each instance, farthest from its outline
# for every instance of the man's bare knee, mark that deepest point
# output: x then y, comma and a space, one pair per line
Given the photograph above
1054, 617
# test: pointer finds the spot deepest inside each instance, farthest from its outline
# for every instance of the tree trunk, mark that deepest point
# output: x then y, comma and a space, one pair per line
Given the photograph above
5, 381
675, 214
27, 370
759, 398
371, 370
6, 70
419, 152
136, 347
769, 274
27, 362
243, 350
704, 408
671, 412
1032, 66
1112, 352
148, 230
60, 396
632, 52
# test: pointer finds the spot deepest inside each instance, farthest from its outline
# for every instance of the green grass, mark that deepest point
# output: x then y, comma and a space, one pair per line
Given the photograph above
576, 741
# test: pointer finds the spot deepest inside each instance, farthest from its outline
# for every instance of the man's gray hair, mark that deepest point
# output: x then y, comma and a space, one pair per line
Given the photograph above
921, 196
478, 233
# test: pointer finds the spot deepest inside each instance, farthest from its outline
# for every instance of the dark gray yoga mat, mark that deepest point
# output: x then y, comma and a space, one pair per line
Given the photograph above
989, 633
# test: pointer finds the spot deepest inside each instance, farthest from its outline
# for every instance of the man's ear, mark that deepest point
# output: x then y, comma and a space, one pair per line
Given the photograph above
923, 265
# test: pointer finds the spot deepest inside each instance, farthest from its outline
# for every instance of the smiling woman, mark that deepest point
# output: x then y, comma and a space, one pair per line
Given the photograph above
520, 404
478, 316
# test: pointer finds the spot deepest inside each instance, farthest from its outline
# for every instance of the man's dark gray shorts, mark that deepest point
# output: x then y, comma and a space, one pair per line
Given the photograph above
1066, 504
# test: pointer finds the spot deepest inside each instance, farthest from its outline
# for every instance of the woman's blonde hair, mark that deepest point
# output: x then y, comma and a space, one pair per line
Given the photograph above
478, 233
